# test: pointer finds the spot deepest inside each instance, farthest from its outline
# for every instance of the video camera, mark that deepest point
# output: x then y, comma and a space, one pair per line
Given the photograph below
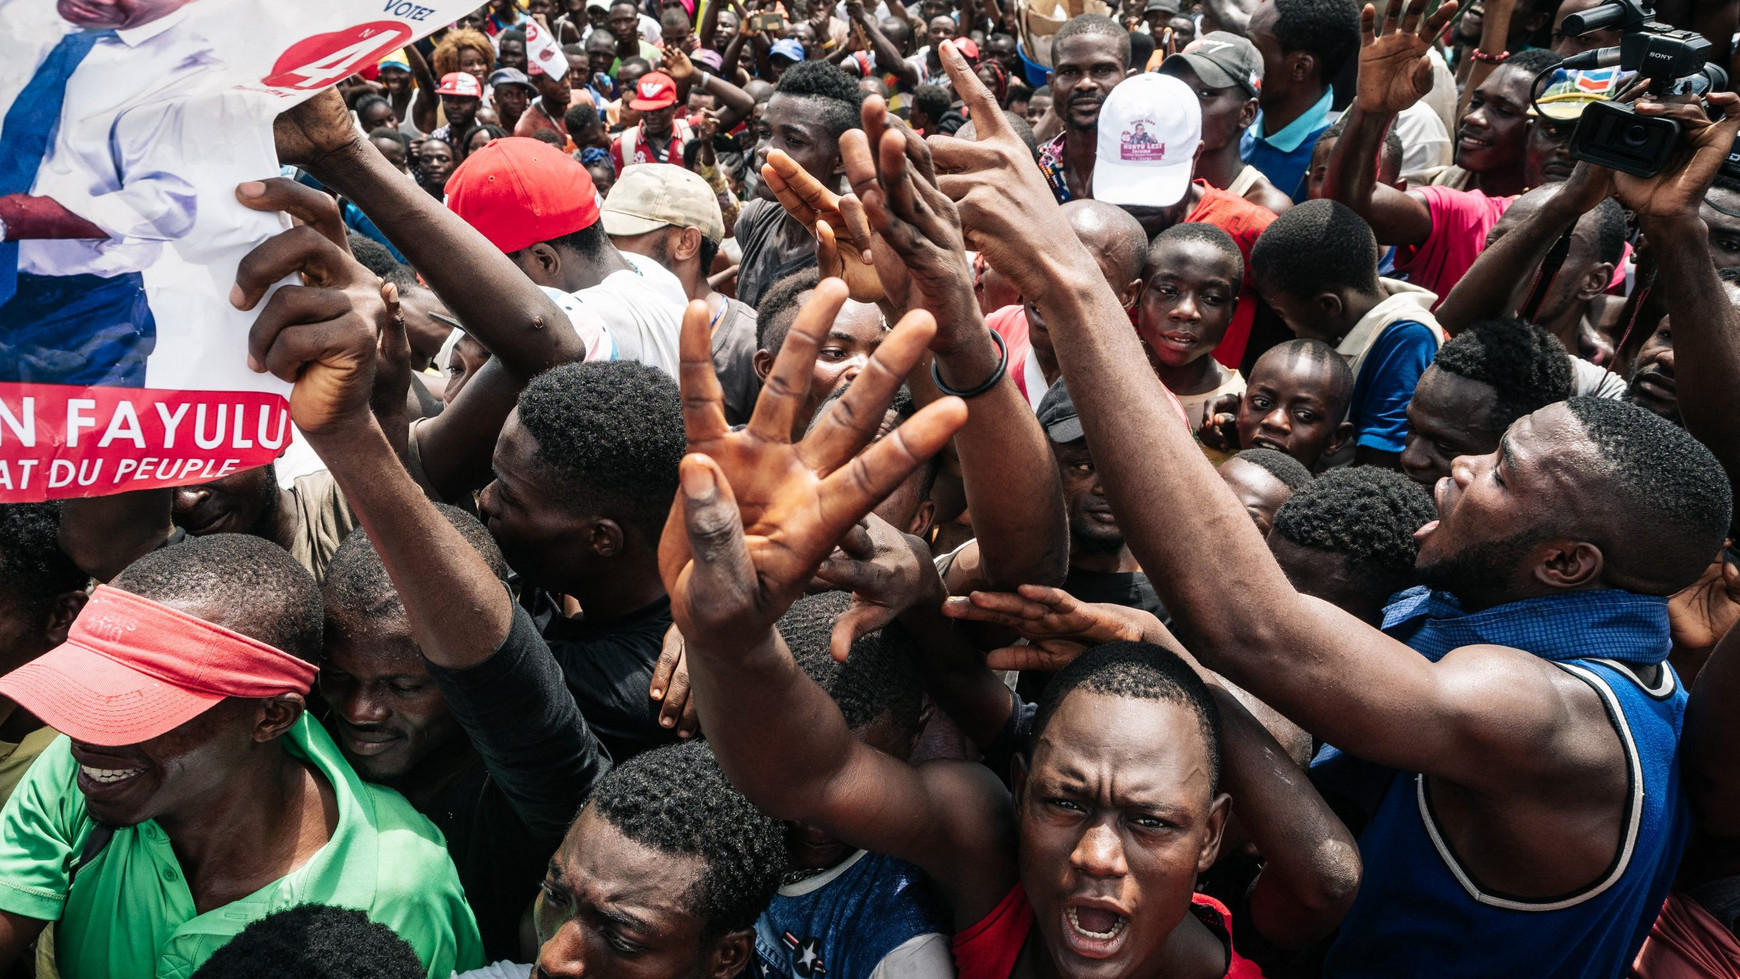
1612, 134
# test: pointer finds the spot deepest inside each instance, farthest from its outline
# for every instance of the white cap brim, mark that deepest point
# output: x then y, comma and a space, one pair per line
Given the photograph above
1142, 184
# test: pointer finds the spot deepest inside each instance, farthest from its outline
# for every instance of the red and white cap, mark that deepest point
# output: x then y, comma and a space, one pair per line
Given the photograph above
653, 92
521, 191
1149, 131
461, 84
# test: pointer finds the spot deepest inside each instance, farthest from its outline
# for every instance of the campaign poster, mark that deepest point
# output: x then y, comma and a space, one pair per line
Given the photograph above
125, 126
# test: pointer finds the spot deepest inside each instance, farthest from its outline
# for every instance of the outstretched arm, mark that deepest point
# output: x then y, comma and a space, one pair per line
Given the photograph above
504, 310
1498, 281
1706, 326
754, 517
1479, 718
911, 235
1394, 73
424, 107
459, 611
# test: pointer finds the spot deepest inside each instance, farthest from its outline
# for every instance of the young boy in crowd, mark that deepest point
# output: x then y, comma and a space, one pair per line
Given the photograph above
1296, 403
1316, 266
1190, 292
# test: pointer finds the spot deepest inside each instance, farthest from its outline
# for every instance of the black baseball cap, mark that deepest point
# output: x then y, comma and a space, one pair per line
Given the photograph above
1222, 60
1057, 415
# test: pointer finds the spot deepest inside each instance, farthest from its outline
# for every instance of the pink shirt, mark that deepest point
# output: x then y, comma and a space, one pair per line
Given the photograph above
1460, 221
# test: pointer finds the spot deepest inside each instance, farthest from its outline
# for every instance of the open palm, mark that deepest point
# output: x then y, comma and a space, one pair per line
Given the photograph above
793, 502
1394, 72
844, 245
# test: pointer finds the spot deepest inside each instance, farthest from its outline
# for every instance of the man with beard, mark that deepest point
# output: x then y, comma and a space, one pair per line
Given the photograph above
1090, 55
1530, 817
192, 794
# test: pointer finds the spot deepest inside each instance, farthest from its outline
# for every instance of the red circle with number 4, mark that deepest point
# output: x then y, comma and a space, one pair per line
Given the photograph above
315, 62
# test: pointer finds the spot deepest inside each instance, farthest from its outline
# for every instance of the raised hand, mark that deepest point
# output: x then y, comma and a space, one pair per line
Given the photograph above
322, 335
828, 215
1004, 202
887, 573
316, 130
670, 687
1394, 71
1703, 612
1677, 191
891, 173
1057, 625
678, 66
756, 514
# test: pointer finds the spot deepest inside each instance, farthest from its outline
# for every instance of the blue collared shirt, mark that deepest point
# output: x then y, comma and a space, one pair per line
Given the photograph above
1603, 624
1284, 156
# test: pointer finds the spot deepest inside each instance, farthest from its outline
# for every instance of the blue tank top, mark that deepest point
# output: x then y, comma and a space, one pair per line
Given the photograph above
843, 922
1420, 912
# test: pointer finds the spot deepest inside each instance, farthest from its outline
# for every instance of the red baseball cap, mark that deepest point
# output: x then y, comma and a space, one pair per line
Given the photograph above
655, 91
132, 669
461, 84
520, 191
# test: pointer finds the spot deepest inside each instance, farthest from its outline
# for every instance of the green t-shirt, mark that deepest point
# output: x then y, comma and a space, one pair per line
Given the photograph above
130, 914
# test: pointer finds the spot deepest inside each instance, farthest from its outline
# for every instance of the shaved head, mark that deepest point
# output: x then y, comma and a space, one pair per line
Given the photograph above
1114, 238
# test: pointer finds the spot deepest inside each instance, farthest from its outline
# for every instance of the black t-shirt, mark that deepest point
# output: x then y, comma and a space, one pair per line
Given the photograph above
766, 258
537, 760
609, 667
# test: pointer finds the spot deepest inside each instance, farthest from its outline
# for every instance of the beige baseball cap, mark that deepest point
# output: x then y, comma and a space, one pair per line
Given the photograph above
650, 196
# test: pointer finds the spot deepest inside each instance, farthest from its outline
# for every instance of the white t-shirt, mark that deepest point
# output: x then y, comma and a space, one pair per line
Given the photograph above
643, 310
1593, 380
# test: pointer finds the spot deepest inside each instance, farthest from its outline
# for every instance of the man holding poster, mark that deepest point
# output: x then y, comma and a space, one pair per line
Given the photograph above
90, 151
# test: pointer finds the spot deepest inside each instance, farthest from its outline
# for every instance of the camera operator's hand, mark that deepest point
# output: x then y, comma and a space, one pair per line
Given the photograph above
1704, 146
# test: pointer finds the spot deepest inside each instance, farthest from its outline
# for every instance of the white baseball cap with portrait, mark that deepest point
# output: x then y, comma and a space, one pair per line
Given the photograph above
1150, 127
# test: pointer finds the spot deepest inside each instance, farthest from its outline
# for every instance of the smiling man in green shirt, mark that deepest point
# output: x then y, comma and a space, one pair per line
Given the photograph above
192, 794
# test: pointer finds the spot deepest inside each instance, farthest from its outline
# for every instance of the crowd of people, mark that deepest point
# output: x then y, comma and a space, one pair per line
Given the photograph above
806, 491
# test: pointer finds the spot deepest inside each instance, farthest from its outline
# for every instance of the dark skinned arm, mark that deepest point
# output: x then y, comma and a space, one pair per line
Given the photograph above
426, 105
1010, 475
1394, 73
1712, 733
1498, 281
887, 55
753, 520
709, 25
735, 105
460, 614
16, 934
506, 311
1706, 326
1484, 717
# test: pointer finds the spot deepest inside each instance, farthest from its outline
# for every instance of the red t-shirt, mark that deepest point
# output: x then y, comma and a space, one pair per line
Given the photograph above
1244, 221
673, 150
1460, 221
989, 948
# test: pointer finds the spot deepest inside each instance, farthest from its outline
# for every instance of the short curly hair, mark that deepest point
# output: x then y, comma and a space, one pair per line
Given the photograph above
445, 60
610, 436
266, 594
1208, 234
1671, 496
1280, 465
1317, 245
676, 800
1525, 364
1137, 671
357, 582
835, 93
1326, 29
314, 941
1092, 24
1366, 514
779, 307
33, 568
879, 676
